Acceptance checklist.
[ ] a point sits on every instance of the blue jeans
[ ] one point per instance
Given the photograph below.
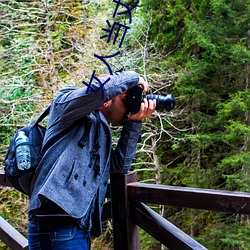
(57, 238)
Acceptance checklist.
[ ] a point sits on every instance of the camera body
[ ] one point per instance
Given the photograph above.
(135, 97)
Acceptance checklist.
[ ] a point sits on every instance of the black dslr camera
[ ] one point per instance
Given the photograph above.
(135, 98)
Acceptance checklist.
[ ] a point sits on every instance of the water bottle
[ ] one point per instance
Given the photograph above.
(23, 156)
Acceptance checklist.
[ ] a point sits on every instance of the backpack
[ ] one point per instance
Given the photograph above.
(21, 179)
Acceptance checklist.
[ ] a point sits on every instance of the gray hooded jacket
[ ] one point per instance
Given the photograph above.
(67, 174)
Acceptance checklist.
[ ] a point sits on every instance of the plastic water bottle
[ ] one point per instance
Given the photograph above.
(23, 156)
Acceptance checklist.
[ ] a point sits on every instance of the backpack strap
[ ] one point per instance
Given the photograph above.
(43, 115)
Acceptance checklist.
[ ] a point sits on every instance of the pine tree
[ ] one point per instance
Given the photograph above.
(206, 44)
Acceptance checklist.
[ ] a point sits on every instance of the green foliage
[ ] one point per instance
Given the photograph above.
(148, 242)
(222, 235)
(206, 44)
(14, 208)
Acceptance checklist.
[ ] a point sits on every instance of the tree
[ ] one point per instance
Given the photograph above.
(205, 43)
(44, 45)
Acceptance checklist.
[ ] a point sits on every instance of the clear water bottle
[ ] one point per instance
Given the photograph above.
(23, 156)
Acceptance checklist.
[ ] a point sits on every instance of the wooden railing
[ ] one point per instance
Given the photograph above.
(129, 212)
(8, 234)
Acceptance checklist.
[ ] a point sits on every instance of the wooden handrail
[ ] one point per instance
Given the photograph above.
(208, 199)
(134, 193)
(11, 237)
(161, 229)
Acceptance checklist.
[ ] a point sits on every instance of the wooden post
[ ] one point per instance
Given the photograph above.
(126, 233)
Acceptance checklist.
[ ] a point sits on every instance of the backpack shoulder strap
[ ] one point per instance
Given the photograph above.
(43, 115)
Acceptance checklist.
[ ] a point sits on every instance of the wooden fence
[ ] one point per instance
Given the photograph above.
(128, 199)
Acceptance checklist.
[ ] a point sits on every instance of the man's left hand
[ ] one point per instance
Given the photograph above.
(147, 108)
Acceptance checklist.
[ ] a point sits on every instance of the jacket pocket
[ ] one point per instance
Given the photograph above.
(72, 173)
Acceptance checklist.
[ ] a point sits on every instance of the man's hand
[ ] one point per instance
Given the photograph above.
(147, 108)
(144, 84)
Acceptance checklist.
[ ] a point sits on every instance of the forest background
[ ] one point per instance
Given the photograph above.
(197, 50)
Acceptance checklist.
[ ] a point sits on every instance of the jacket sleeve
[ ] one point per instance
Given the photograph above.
(71, 104)
(124, 153)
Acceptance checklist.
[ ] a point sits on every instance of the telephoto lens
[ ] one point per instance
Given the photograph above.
(162, 102)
